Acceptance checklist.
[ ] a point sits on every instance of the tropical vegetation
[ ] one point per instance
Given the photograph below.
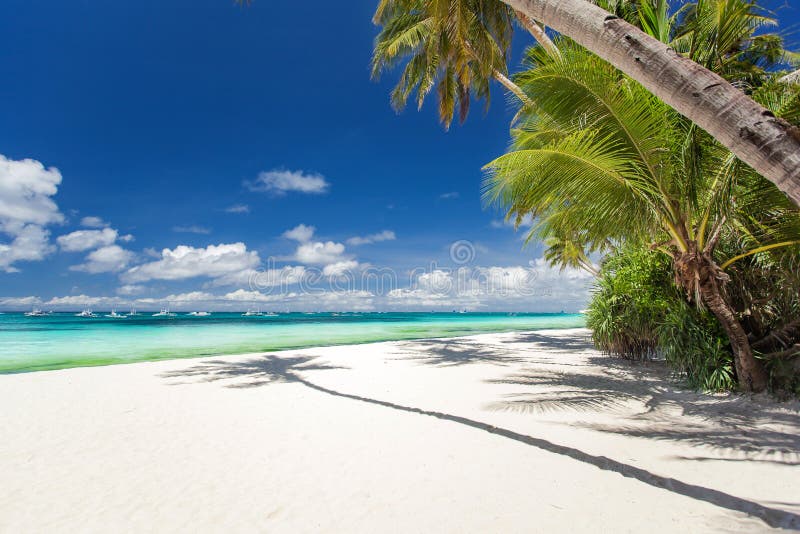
(439, 36)
(700, 250)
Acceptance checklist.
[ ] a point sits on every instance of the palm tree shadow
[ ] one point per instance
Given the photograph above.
(258, 372)
(555, 343)
(271, 369)
(456, 351)
(729, 424)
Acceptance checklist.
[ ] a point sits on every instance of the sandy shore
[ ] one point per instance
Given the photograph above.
(520, 432)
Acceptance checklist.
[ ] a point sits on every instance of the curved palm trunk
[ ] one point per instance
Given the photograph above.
(538, 33)
(768, 144)
(697, 272)
(511, 86)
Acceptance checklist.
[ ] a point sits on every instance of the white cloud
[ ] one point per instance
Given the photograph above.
(279, 182)
(183, 262)
(300, 233)
(192, 296)
(19, 302)
(386, 235)
(93, 222)
(268, 278)
(450, 196)
(534, 287)
(81, 240)
(238, 208)
(526, 222)
(339, 268)
(30, 243)
(110, 259)
(319, 252)
(130, 289)
(72, 301)
(26, 188)
(26, 206)
(191, 229)
(241, 295)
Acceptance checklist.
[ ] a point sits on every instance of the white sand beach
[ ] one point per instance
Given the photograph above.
(514, 432)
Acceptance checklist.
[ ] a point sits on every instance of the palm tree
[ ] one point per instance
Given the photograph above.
(768, 144)
(458, 59)
(458, 51)
(601, 154)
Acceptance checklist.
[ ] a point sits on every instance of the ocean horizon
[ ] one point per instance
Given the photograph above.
(63, 340)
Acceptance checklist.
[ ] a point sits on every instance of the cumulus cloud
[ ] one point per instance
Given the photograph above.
(93, 222)
(450, 196)
(536, 286)
(192, 296)
(82, 240)
(279, 182)
(73, 301)
(110, 259)
(339, 268)
(19, 302)
(238, 208)
(30, 243)
(386, 235)
(130, 289)
(191, 229)
(300, 233)
(532, 287)
(319, 253)
(268, 278)
(26, 191)
(26, 207)
(184, 262)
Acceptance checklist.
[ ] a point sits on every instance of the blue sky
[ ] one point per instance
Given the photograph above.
(161, 117)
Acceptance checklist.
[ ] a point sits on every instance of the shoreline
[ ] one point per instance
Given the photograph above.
(68, 343)
(473, 433)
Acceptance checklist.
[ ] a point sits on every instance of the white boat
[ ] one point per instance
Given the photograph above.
(252, 313)
(133, 313)
(85, 313)
(115, 315)
(164, 313)
(36, 312)
(200, 314)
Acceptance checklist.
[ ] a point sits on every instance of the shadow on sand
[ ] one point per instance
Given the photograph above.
(271, 369)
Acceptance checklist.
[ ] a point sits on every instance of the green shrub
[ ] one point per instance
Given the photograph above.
(694, 344)
(629, 301)
(638, 313)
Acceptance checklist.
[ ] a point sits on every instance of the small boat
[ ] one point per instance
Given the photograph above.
(115, 315)
(271, 314)
(86, 313)
(199, 314)
(253, 313)
(36, 312)
(133, 313)
(164, 313)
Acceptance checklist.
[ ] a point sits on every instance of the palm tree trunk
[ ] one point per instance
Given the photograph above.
(511, 86)
(750, 372)
(768, 144)
(697, 272)
(538, 33)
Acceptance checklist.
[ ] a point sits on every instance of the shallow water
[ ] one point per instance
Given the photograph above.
(62, 340)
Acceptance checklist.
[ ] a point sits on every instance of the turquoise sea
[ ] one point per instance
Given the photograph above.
(62, 340)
